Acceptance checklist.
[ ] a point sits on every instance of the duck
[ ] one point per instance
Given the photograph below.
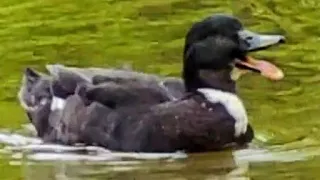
(209, 116)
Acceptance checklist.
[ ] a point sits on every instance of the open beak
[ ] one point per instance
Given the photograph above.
(255, 41)
(265, 68)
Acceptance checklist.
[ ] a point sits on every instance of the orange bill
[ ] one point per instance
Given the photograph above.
(265, 68)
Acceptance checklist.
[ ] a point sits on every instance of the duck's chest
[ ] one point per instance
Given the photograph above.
(232, 104)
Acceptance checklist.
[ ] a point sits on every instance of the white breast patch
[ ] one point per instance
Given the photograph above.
(233, 105)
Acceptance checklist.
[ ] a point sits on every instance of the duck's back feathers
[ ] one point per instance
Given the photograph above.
(71, 76)
(128, 94)
(89, 73)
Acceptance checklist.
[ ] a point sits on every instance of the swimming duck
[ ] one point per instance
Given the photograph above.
(210, 115)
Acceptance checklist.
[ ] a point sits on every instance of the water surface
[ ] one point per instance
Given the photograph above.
(148, 34)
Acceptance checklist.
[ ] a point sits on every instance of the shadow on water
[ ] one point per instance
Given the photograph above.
(149, 35)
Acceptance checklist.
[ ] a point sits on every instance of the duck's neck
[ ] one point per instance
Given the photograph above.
(220, 80)
(199, 73)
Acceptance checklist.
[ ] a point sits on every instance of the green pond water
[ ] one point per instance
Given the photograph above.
(149, 35)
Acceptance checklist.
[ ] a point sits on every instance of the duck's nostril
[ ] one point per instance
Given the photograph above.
(282, 40)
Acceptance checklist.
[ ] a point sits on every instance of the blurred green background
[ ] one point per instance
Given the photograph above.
(149, 35)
